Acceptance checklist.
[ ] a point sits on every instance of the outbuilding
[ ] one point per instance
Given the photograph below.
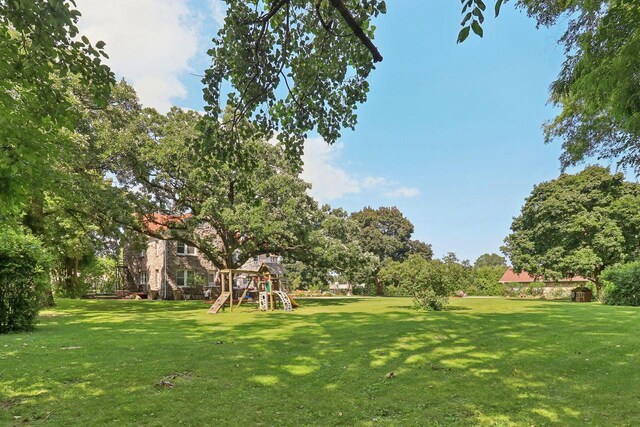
(536, 285)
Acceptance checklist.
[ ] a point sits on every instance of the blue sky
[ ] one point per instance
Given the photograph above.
(451, 134)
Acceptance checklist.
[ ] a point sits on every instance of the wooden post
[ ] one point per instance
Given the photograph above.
(271, 284)
(230, 290)
(221, 290)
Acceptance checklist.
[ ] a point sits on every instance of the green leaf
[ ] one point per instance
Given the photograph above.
(100, 44)
(463, 34)
(498, 6)
(477, 12)
(481, 4)
(477, 28)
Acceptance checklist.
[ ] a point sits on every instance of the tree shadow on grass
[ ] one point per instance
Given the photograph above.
(456, 308)
(409, 306)
(328, 302)
(521, 358)
(539, 365)
(128, 306)
(555, 300)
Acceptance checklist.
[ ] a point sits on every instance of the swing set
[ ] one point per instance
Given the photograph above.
(269, 288)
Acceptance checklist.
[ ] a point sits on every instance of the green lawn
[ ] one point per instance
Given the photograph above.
(331, 362)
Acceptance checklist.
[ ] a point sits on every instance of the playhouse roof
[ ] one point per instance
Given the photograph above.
(273, 268)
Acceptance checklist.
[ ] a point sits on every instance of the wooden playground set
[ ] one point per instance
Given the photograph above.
(265, 287)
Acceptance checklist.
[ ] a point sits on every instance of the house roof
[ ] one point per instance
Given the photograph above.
(511, 276)
(158, 221)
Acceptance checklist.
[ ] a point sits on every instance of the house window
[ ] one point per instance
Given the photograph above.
(185, 278)
(273, 259)
(183, 249)
(143, 278)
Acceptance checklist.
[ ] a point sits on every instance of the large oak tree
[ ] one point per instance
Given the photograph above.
(577, 225)
(386, 233)
(231, 207)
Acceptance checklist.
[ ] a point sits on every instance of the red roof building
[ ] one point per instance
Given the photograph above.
(511, 276)
(160, 222)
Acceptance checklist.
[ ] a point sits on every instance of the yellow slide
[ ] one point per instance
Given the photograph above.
(294, 304)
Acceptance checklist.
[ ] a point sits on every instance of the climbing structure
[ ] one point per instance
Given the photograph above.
(263, 299)
(268, 286)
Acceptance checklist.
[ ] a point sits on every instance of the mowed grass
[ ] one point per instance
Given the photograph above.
(331, 362)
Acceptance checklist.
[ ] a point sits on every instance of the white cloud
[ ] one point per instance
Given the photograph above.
(330, 181)
(374, 182)
(149, 42)
(219, 11)
(403, 192)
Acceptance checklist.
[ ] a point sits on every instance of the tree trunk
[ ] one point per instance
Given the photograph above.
(71, 276)
(598, 285)
(48, 299)
(379, 287)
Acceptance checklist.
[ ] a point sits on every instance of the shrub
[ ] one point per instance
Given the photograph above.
(622, 284)
(486, 281)
(509, 291)
(557, 293)
(396, 291)
(317, 286)
(430, 282)
(428, 298)
(434, 284)
(23, 280)
(367, 289)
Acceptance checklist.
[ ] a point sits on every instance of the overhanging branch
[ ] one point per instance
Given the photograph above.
(356, 28)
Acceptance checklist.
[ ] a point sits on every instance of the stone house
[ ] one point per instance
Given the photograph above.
(544, 288)
(167, 269)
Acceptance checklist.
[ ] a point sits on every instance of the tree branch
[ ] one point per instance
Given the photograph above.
(266, 17)
(325, 25)
(356, 28)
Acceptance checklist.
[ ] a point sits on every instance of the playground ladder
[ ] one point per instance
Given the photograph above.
(219, 303)
(286, 302)
(264, 301)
